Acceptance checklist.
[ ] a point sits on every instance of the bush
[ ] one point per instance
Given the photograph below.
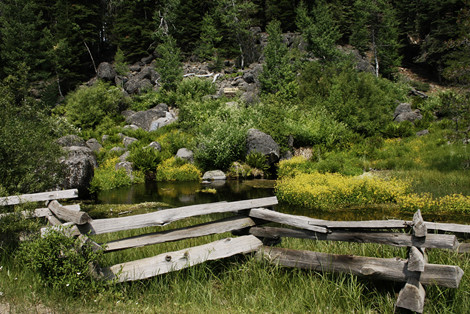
(86, 107)
(195, 87)
(145, 159)
(61, 262)
(176, 169)
(401, 129)
(107, 177)
(323, 191)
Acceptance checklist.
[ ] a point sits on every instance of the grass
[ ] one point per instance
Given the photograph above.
(234, 285)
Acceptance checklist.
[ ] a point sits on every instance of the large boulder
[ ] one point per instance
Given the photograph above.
(403, 112)
(79, 165)
(161, 122)
(136, 85)
(143, 119)
(106, 71)
(214, 175)
(71, 140)
(185, 154)
(257, 141)
(128, 141)
(94, 145)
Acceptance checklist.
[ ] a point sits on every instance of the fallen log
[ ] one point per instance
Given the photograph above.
(392, 269)
(220, 226)
(437, 241)
(68, 215)
(164, 217)
(173, 261)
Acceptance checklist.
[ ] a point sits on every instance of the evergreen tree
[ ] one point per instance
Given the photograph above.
(283, 11)
(375, 28)
(168, 64)
(209, 40)
(319, 30)
(277, 70)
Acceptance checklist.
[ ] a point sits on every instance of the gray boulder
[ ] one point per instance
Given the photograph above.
(402, 108)
(134, 67)
(124, 156)
(71, 140)
(117, 149)
(93, 144)
(422, 133)
(185, 154)
(257, 141)
(136, 85)
(79, 167)
(106, 71)
(156, 146)
(131, 127)
(126, 165)
(128, 141)
(214, 175)
(143, 119)
(403, 112)
(161, 122)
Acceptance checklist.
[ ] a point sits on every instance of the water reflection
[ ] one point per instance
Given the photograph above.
(188, 193)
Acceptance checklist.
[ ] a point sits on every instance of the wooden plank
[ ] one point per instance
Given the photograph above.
(220, 226)
(286, 219)
(411, 297)
(419, 227)
(65, 214)
(173, 261)
(416, 260)
(163, 217)
(392, 269)
(38, 197)
(437, 241)
(464, 248)
(447, 227)
(42, 212)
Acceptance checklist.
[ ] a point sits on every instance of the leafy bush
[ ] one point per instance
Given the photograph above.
(86, 107)
(402, 129)
(195, 87)
(61, 262)
(145, 159)
(176, 169)
(257, 160)
(119, 63)
(107, 177)
(174, 140)
(14, 224)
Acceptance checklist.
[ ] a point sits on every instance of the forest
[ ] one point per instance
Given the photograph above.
(365, 105)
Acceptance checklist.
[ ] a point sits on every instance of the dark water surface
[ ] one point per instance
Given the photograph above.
(178, 194)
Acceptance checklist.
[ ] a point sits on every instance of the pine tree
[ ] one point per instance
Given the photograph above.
(168, 65)
(319, 30)
(375, 28)
(277, 70)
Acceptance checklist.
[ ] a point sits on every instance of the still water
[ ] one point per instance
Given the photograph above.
(177, 194)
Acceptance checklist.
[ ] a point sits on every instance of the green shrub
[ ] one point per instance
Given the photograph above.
(61, 262)
(86, 107)
(421, 86)
(107, 177)
(176, 169)
(401, 129)
(295, 165)
(168, 65)
(174, 140)
(145, 101)
(119, 62)
(195, 87)
(145, 159)
(257, 160)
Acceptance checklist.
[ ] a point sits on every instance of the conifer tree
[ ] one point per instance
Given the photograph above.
(168, 64)
(277, 70)
(375, 28)
(319, 30)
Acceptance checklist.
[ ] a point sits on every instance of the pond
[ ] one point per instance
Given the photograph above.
(177, 194)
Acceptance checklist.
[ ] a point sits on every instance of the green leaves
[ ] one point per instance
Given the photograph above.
(169, 65)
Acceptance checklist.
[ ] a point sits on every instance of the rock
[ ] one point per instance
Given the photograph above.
(117, 149)
(147, 60)
(287, 155)
(78, 167)
(156, 146)
(126, 165)
(124, 156)
(143, 119)
(161, 122)
(409, 116)
(104, 138)
(161, 107)
(422, 133)
(93, 144)
(71, 140)
(128, 141)
(135, 85)
(128, 113)
(185, 154)
(134, 67)
(402, 108)
(249, 77)
(131, 127)
(257, 141)
(214, 175)
(106, 71)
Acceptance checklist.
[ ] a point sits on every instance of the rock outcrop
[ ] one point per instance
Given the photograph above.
(257, 141)
(79, 165)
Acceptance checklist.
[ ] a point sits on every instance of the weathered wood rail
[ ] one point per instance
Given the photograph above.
(250, 220)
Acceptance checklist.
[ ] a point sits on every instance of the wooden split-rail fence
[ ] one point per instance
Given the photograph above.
(249, 221)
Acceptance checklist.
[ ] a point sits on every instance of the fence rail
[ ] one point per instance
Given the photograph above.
(250, 222)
